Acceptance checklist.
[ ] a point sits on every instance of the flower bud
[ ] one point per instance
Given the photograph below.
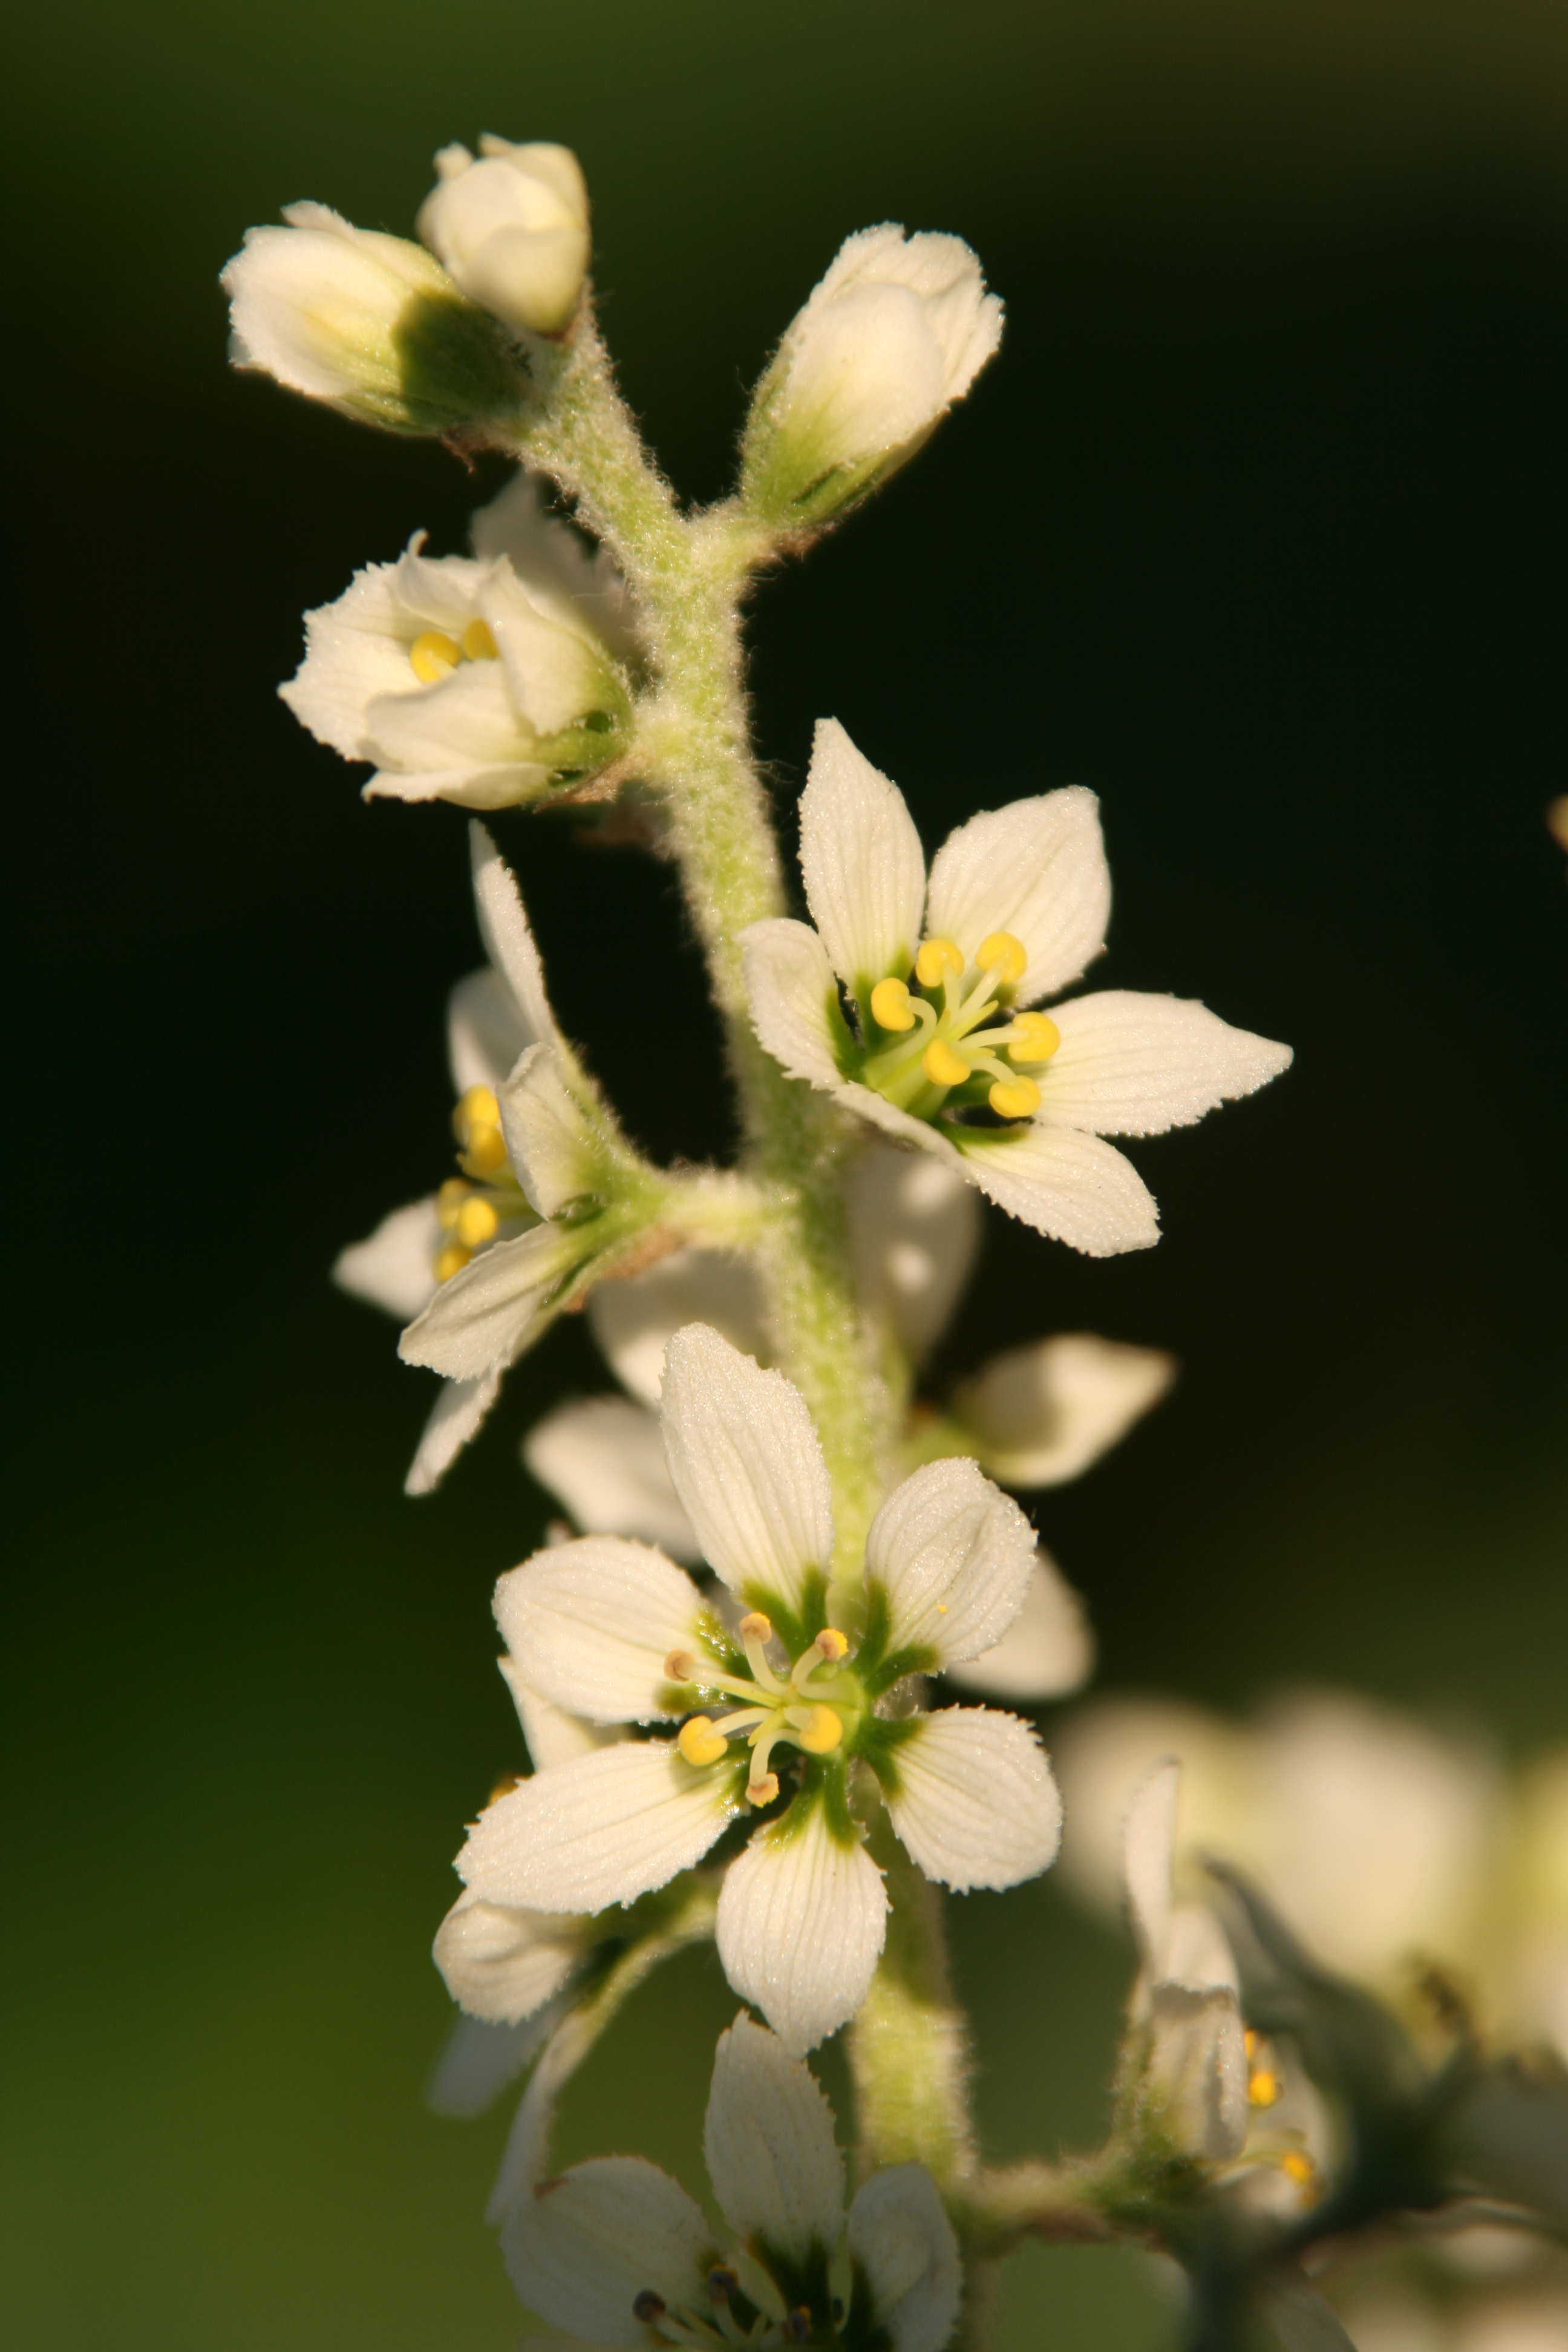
(512, 229)
(895, 333)
(366, 322)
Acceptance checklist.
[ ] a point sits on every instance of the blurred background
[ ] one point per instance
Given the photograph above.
(1257, 527)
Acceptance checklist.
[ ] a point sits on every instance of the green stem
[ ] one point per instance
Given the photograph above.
(909, 2044)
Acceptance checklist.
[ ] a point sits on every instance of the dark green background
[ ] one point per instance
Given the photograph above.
(1257, 527)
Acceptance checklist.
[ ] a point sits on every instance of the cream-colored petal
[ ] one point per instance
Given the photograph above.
(914, 1229)
(1036, 868)
(1197, 2068)
(747, 1468)
(393, 1267)
(1197, 1951)
(604, 1830)
(552, 559)
(1048, 1649)
(975, 1802)
(553, 1734)
(455, 1418)
(1040, 1415)
(1071, 1187)
(589, 1625)
(634, 1321)
(771, 2155)
(468, 719)
(603, 1460)
(1135, 1064)
(509, 942)
(554, 671)
(864, 866)
(485, 788)
(581, 2247)
(902, 2242)
(481, 2059)
(1148, 1855)
(494, 1308)
(954, 1556)
(485, 1032)
(1107, 1749)
(793, 998)
(501, 1963)
(801, 1924)
(549, 1141)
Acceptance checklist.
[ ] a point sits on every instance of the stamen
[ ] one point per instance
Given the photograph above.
(829, 1647)
(448, 1200)
(1297, 2166)
(754, 1626)
(1014, 1098)
(890, 1005)
(701, 1742)
(478, 642)
(475, 1107)
(648, 2306)
(1034, 1037)
(680, 1666)
(754, 1630)
(1005, 955)
(762, 1792)
(941, 1065)
(450, 1261)
(478, 1222)
(819, 1733)
(797, 2327)
(762, 1786)
(722, 2282)
(433, 655)
(938, 959)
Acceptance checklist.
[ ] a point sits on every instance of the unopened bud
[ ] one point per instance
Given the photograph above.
(511, 226)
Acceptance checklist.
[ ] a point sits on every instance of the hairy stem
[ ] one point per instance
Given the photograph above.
(909, 2043)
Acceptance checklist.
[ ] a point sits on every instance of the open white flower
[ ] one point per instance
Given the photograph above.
(1187, 1997)
(483, 680)
(940, 978)
(897, 330)
(616, 2254)
(512, 229)
(613, 1632)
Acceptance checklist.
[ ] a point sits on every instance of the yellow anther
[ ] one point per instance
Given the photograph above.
(478, 642)
(763, 1792)
(1297, 2166)
(477, 1222)
(1014, 1097)
(890, 1005)
(941, 1065)
(475, 1107)
(1263, 2089)
(698, 1742)
(1004, 955)
(485, 1150)
(820, 1733)
(833, 1644)
(448, 1200)
(680, 1666)
(433, 655)
(450, 1261)
(755, 1627)
(1034, 1037)
(938, 959)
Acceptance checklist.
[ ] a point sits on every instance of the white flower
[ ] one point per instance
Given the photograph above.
(366, 322)
(1015, 907)
(613, 1632)
(1186, 1999)
(616, 2254)
(512, 229)
(481, 680)
(897, 330)
(1040, 1415)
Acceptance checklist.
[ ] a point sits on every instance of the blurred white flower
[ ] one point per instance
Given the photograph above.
(1186, 2000)
(1042, 1413)
(512, 229)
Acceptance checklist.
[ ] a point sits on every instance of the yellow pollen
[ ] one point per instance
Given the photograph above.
(833, 1644)
(699, 1743)
(820, 1733)
(448, 1200)
(941, 1065)
(1004, 955)
(1263, 2089)
(890, 1005)
(1014, 1097)
(475, 1107)
(477, 1222)
(938, 959)
(1034, 1037)
(433, 655)
(763, 1792)
(450, 1261)
(478, 642)
(756, 1628)
(1298, 2167)
(680, 1666)
(485, 1150)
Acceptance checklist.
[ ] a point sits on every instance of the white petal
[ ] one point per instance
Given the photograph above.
(975, 1803)
(468, 719)
(502, 1964)
(1041, 1413)
(604, 1830)
(591, 1623)
(554, 670)
(582, 2247)
(481, 2059)
(793, 998)
(864, 869)
(471, 787)
(485, 1032)
(1134, 1064)
(549, 1141)
(553, 559)
(634, 1321)
(914, 1230)
(747, 1466)
(603, 1460)
(1036, 868)
(1197, 2065)
(771, 2157)
(1072, 1187)
(1304, 2320)
(1197, 1951)
(509, 942)
(455, 1418)
(800, 1928)
(954, 1556)
(900, 2237)
(554, 1737)
(1048, 1649)
(496, 1306)
(395, 1267)
(1148, 1853)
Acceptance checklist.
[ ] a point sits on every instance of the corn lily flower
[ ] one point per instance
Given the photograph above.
(511, 226)
(1185, 2003)
(940, 978)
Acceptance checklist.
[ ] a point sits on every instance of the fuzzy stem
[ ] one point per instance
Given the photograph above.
(909, 2044)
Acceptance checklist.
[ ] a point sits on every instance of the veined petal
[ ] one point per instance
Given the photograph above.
(902, 2242)
(975, 1804)
(467, 720)
(487, 1313)
(914, 1230)
(1197, 1951)
(603, 1460)
(634, 1321)
(800, 1928)
(485, 1032)
(1072, 1187)
(471, 787)
(395, 1267)
(589, 1625)
(581, 2247)
(1041, 1413)
(481, 2059)
(1048, 1649)
(553, 1735)
(1198, 2065)
(771, 2157)
(509, 942)
(793, 998)
(864, 868)
(1148, 1853)
(548, 1141)
(747, 1468)
(555, 562)
(604, 1830)
(1036, 868)
(1135, 1064)
(954, 1556)
(553, 669)
(502, 1963)
(455, 1418)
